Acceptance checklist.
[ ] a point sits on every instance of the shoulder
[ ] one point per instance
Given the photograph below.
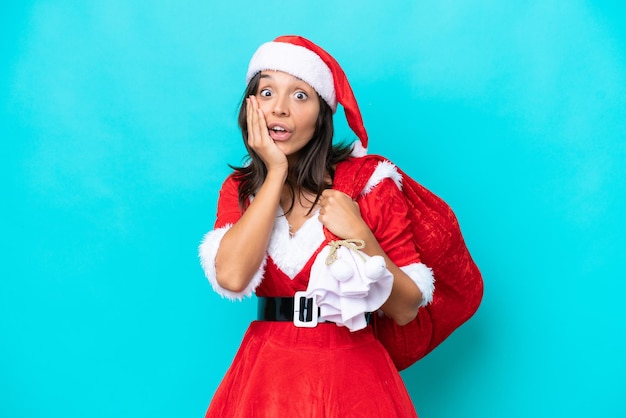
(228, 208)
(231, 183)
(231, 180)
(229, 191)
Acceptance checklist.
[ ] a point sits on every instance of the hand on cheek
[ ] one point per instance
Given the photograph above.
(259, 138)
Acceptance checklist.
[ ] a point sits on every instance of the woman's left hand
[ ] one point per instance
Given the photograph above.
(341, 215)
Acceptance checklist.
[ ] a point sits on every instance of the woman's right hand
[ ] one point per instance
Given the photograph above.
(259, 138)
(242, 249)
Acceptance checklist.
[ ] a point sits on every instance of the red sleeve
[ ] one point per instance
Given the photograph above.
(228, 211)
(385, 211)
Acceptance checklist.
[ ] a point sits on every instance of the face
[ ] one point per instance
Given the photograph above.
(291, 107)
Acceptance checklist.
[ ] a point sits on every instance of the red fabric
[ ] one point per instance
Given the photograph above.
(321, 372)
(280, 285)
(437, 236)
(228, 204)
(327, 371)
(425, 219)
(386, 212)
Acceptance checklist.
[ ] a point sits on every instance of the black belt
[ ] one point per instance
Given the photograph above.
(282, 309)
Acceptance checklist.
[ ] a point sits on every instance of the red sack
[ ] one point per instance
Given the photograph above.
(438, 239)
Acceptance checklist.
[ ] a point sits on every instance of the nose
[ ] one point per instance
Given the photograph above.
(280, 107)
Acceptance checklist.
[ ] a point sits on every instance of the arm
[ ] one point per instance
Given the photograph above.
(342, 216)
(431, 226)
(406, 297)
(242, 249)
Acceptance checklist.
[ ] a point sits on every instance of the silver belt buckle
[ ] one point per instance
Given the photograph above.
(305, 311)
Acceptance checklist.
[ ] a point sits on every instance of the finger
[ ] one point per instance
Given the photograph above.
(326, 196)
(255, 119)
(262, 123)
(261, 135)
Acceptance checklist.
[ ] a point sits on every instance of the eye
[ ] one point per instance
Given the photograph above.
(265, 93)
(300, 95)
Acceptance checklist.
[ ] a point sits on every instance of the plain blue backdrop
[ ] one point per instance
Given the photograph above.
(118, 120)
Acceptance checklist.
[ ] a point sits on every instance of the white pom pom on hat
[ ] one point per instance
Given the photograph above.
(302, 58)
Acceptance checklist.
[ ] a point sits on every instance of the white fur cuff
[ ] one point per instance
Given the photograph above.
(207, 251)
(423, 278)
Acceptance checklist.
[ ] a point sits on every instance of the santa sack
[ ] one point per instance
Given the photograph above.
(438, 239)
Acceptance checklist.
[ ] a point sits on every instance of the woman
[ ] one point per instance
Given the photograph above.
(320, 261)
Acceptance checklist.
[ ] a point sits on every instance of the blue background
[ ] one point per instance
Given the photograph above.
(118, 119)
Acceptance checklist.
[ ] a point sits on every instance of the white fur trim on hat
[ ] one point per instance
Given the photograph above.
(423, 277)
(297, 61)
(358, 150)
(207, 253)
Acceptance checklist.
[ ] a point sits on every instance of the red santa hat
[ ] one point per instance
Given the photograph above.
(302, 58)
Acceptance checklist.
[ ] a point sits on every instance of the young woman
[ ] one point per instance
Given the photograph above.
(323, 263)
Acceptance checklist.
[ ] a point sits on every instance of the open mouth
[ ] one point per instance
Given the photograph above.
(278, 133)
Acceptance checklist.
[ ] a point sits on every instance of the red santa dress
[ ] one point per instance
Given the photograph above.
(329, 370)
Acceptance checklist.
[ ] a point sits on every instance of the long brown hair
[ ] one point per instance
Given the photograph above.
(317, 158)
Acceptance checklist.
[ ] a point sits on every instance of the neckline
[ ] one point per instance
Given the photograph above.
(291, 252)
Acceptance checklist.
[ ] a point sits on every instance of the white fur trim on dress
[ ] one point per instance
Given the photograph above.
(297, 61)
(423, 278)
(207, 251)
(383, 170)
(291, 253)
